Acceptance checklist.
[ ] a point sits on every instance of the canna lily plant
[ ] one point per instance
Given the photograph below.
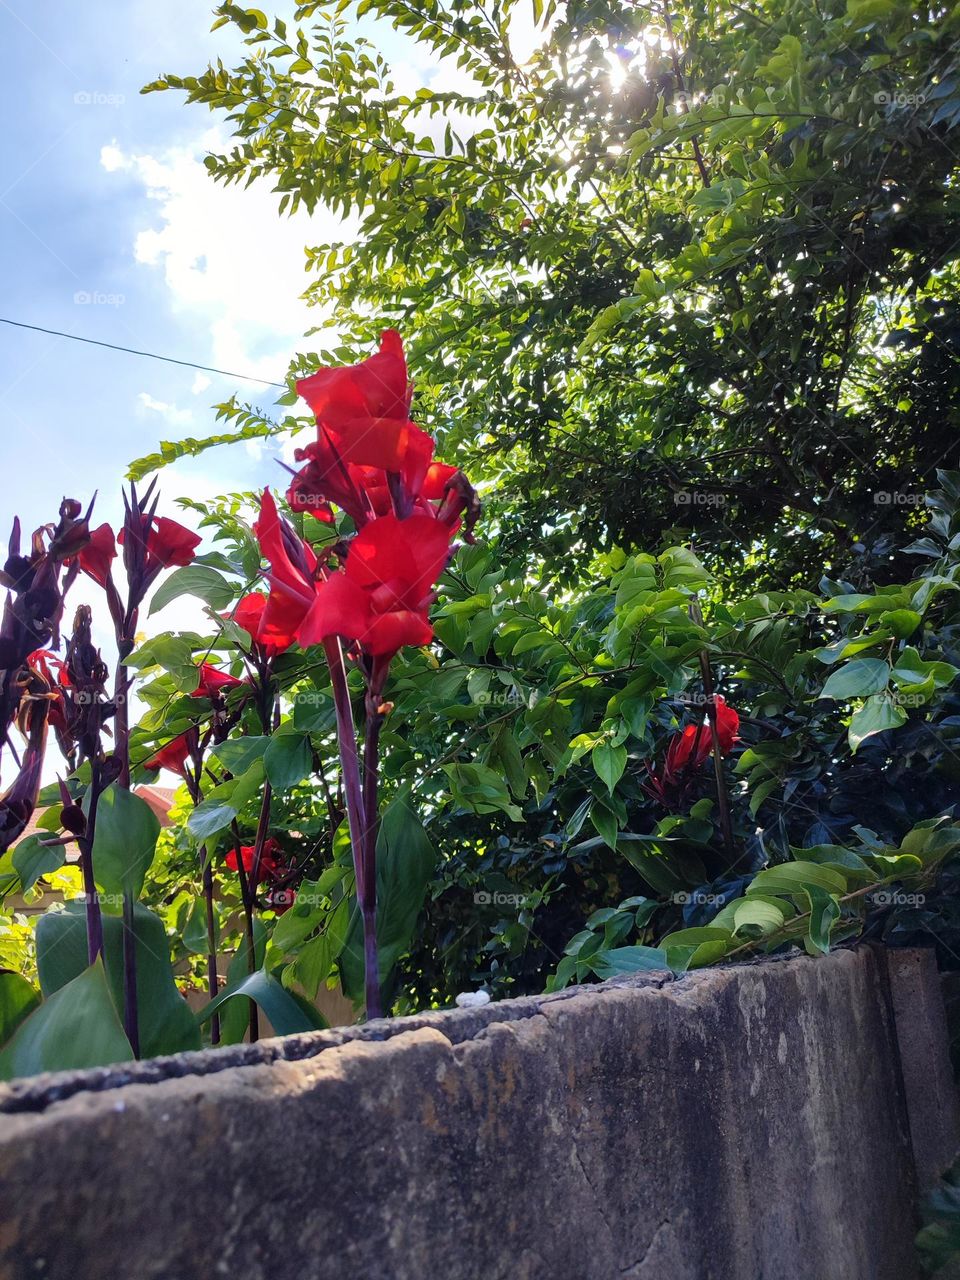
(367, 595)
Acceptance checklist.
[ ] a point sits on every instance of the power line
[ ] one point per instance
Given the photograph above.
(150, 355)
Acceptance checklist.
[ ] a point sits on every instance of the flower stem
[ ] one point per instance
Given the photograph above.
(94, 918)
(368, 898)
(121, 696)
(357, 821)
(213, 978)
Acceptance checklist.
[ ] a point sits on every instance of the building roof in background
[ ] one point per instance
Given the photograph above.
(160, 800)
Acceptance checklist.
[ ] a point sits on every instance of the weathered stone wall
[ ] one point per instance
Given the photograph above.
(763, 1122)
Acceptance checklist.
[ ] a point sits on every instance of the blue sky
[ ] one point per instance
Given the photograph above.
(111, 229)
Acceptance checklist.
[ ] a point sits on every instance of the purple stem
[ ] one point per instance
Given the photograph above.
(368, 898)
(94, 918)
(121, 696)
(358, 818)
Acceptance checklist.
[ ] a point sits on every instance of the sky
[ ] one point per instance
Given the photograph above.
(111, 229)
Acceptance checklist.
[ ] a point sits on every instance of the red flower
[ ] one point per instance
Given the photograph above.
(249, 614)
(435, 481)
(270, 864)
(381, 597)
(363, 416)
(375, 388)
(292, 569)
(689, 749)
(212, 682)
(728, 726)
(168, 543)
(174, 755)
(96, 557)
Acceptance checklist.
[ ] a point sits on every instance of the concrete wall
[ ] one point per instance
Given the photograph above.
(763, 1122)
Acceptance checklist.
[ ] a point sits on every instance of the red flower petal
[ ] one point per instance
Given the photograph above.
(96, 557)
(212, 681)
(375, 388)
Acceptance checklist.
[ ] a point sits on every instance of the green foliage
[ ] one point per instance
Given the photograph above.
(701, 280)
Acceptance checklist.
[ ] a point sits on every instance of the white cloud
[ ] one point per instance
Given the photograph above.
(226, 256)
(169, 412)
(200, 383)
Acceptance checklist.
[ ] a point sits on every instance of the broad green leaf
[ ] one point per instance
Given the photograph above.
(621, 960)
(857, 679)
(406, 860)
(197, 580)
(17, 999)
(165, 1021)
(609, 762)
(794, 877)
(75, 1027)
(286, 1014)
(33, 859)
(125, 841)
(875, 716)
(692, 948)
(288, 759)
(824, 910)
(238, 754)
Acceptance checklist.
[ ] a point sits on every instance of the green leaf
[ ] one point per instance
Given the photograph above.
(857, 679)
(824, 910)
(17, 999)
(238, 754)
(194, 580)
(609, 762)
(875, 716)
(406, 860)
(691, 948)
(125, 841)
(286, 1014)
(620, 960)
(32, 859)
(794, 878)
(288, 759)
(224, 803)
(165, 1021)
(76, 1027)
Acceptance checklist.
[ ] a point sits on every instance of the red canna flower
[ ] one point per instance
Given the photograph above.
(174, 755)
(212, 682)
(381, 597)
(99, 553)
(363, 414)
(168, 543)
(249, 614)
(270, 863)
(293, 566)
(376, 388)
(728, 725)
(690, 748)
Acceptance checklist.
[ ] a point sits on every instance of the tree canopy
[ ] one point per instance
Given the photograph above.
(683, 271)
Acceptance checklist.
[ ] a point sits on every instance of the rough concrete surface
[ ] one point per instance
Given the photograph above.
(746, 1123)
